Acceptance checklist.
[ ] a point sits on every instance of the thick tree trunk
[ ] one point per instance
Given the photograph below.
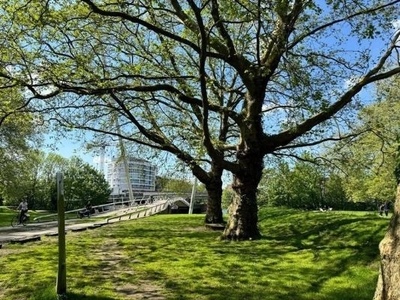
(243, 212)
(214, 207)
(213, 184)
(388, 287)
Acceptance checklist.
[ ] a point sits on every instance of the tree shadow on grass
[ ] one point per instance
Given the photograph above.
(49, 293)
(344, 243)
(74, 296)
(284, 264)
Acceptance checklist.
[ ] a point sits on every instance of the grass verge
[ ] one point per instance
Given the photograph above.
(302, 256)
(6, 214)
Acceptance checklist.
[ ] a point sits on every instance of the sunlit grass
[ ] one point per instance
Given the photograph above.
(302, 256)
(6, 214)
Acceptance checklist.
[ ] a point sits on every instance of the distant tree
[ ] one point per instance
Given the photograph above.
(83, 183)
(297, 186)
(368, 160)
(32, 183)
(307, 186)
(175, 185)
(304, 185)
(274, 188)
(227, 197)
(334, 194)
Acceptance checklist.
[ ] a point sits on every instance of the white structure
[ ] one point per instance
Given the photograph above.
(142, 175)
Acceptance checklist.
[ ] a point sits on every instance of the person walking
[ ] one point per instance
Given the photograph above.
(89, 208)
(386, 208)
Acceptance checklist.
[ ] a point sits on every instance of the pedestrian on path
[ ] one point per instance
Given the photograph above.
(386, 208)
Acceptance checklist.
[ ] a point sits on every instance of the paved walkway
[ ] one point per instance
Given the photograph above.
(34, 231)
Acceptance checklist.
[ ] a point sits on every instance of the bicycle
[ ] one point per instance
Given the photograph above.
(15, 220)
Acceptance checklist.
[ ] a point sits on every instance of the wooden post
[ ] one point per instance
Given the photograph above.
(62, 269)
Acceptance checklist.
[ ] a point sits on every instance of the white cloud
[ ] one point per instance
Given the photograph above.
(396, 24)
(350, 82)
(35, 78)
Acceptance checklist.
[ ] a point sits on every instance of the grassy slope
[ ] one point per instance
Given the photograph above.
(303, 255)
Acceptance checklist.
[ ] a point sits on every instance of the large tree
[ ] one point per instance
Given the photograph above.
(241, 78)
(388, 281)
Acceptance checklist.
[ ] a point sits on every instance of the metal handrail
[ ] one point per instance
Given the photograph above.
(53, 217)
(136, 203)
(157, 208)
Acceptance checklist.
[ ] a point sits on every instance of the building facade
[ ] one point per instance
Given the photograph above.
(142, 176)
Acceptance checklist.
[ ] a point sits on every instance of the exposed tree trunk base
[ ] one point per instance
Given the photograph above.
(239, 236)
(233, 232)
(242, 224)
(214, 219)
(388, 286)
(216, 226)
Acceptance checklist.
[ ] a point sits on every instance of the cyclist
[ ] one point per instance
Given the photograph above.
(87, 211)
(23, 208)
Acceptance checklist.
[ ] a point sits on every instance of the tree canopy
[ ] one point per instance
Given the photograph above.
(18, 135)
(368, 159)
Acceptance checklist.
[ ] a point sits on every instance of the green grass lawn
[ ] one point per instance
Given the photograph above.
(7, 214)
(302, 256)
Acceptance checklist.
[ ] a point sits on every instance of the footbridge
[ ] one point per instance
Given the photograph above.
(128, 209)
(104, 214)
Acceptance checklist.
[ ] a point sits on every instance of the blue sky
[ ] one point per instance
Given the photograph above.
(68, 147)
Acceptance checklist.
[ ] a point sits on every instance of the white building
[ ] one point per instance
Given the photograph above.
(142, 176)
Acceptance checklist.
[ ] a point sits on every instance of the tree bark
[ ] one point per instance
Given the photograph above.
(213, 184)
(243, 212)
(214, 207)
(388, 286)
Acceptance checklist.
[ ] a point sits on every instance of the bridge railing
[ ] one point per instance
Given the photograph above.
(149, 209)
(99, 209)
(142, 211)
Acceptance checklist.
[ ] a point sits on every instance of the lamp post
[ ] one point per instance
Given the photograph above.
(193, 196)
